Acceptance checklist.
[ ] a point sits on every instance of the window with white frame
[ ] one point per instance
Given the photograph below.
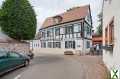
(43, 44)
(50, 44)
(70, 44)
(57, 31)
(57, 45)
(49, 32)
(43, 34)
(77, 27)
(87, 29)
(87, 44)
(69, 29)
(62, 30)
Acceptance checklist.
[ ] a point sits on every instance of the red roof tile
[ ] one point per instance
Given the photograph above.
(70, 15)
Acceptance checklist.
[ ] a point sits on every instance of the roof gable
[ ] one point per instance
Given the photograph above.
(70, 15)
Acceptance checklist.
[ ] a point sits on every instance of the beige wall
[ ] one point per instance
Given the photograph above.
(54, 51)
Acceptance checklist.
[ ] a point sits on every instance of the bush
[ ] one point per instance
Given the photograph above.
(18, 19)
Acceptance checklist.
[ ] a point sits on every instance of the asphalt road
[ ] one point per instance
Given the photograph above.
(51, 67)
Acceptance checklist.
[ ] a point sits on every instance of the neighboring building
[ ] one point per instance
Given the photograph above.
(111, 33)
(70, 30)
(97, 44)
(97, 39)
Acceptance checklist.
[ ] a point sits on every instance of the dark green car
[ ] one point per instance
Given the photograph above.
(12, 60)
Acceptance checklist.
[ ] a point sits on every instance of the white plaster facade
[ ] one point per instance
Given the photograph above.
(112, 9)
(74, 35)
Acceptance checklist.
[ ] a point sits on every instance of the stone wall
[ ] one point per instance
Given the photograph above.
(19, 47)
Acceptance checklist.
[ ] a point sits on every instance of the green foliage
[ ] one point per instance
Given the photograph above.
(18, 19)
(99, 28)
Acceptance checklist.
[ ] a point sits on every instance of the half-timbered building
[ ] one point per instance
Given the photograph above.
(69, 30)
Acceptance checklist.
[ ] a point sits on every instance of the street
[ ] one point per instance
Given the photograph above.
(59, 67)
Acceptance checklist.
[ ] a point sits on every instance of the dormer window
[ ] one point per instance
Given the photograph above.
(57, 19)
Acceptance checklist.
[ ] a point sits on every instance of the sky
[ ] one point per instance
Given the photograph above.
(47, 8)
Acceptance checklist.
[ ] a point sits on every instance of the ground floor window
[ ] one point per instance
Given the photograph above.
(50, 44)
(70, 44)
(88, 44)
(57, 44)
(43, 44)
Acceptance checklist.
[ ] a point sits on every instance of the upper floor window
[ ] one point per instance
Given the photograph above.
(88, 19)
(43, 34)
(57, 19)
(57, 31)
(88, 29)
(69, 29)
(77, 27)
(49, 32)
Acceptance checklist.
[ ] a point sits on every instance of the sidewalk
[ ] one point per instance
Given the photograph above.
(94, 67)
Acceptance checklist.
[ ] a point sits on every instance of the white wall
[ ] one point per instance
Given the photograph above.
(35, 44)
(111, 59)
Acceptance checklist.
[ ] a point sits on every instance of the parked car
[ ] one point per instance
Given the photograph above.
(11, 60)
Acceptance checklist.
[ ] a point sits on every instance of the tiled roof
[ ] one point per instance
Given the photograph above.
(70, 15)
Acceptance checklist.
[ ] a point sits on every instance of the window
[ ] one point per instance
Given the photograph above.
(109, 33)
(57, 45)
(50, 44)
(111, 28)
(49, 32)
(57, 31)
(62, 30)
(77, 27)
(88, 44)
(88, 29)
(68, 29)
(43, 34)
(43, 44)
(70, 44)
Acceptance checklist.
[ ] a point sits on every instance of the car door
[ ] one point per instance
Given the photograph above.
(15, 59)
(5, 64)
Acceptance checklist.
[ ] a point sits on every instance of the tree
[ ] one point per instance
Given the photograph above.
(18, 19)
(99, 28)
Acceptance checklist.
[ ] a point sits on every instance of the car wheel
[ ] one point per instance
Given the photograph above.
(26, 63)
